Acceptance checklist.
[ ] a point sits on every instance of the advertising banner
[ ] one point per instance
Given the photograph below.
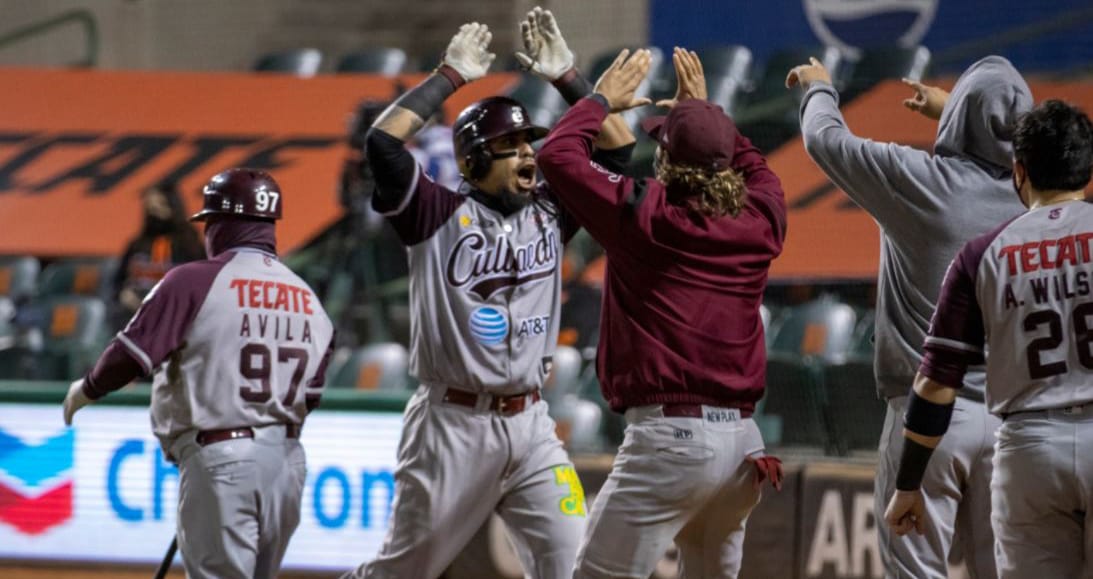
(78, 147)
(102, 490)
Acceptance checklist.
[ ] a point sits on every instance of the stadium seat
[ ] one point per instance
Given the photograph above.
(78, 276)
(68, 335)
(565, 374)
(7, 326)
(823, 328)
(795, 395)
(856, 413)
(727, 70)
(303, 62)
(382, 367)
(18, 276)
(877, 64)
(382, 61)
(767, 114)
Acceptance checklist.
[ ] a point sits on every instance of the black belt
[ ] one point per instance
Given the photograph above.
(503, 405)
(207, 437)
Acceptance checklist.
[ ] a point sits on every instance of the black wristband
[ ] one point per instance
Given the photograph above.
(912, 465)
(573, 86)
(602, 100)
(927, 418)
(427, 97)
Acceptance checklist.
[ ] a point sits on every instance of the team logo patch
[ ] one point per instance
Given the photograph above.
(489, 325)
(573, 504)
(36, 482)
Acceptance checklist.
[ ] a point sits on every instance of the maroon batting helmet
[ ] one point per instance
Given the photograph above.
(485, 120)
(241, 193)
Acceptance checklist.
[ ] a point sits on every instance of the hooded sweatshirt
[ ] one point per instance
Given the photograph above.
(927, 206)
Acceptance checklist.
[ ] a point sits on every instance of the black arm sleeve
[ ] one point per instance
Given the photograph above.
(392, 166)
(614, 160)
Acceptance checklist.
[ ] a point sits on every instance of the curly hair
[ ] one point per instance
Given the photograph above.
(719, 193)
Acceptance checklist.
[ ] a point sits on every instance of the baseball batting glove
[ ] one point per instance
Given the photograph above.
(468, 52)
(75, 400)
(767, 467)
(547, 53)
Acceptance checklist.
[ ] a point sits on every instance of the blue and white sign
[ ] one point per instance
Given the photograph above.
(103, 491)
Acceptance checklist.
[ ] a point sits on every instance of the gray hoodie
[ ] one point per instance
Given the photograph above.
(927, 206)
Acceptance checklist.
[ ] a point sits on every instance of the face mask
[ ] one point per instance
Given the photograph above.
(1017, 187)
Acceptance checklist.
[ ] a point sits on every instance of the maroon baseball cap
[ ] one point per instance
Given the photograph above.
(695, 133)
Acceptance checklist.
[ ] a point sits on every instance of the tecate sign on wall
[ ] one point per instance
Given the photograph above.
(103, 491)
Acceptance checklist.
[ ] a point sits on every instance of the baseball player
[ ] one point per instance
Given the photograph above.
(1019, 296)
(927, 205)
(681, 348)
(238, 345)
(485, 295)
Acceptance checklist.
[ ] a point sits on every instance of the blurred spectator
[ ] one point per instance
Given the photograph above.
(166, 239)
(432, 148)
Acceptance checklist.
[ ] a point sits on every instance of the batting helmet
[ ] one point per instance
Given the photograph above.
(483, 121)
(241, 192)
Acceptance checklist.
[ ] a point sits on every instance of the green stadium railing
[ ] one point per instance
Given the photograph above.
(32, 392)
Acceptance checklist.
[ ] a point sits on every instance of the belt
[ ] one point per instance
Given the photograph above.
(503, 405)
(207, 437)
(694, 410)
(1074, 410)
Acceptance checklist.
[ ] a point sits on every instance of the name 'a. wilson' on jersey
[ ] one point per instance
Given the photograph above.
(1023, 295)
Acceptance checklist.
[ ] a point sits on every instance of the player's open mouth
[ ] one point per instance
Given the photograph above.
(525, 177)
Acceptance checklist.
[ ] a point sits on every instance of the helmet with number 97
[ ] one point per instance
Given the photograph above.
(242, 193)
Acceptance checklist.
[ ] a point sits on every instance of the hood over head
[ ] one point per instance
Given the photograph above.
(981, 114)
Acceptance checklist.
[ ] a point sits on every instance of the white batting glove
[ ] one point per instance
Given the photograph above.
(547, 53)
(75, 400)
(468, 52)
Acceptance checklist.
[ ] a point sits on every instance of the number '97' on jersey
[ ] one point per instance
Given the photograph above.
(238, 340)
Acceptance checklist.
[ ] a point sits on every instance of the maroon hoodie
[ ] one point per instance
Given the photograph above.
(680, 321)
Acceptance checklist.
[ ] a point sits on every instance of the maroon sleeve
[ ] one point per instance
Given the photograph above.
(313, 392)
(957, 335)
(115, 368)
(764, 187)
(424, 210)
(163, 320)
(595, 196)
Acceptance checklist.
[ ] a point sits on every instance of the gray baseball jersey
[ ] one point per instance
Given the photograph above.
(1023, 293)
(486, 289)
(243, 338)
(485, 295)
(1020, 296)
(238, 341)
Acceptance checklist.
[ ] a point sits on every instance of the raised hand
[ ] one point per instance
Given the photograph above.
(621, 80)
(546, 52)
(690, 79)
(928, 100)
(468, 52)
(807, 74)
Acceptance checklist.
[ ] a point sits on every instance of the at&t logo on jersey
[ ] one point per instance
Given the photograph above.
(489, 326)
(533, 326)
(35, 482)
